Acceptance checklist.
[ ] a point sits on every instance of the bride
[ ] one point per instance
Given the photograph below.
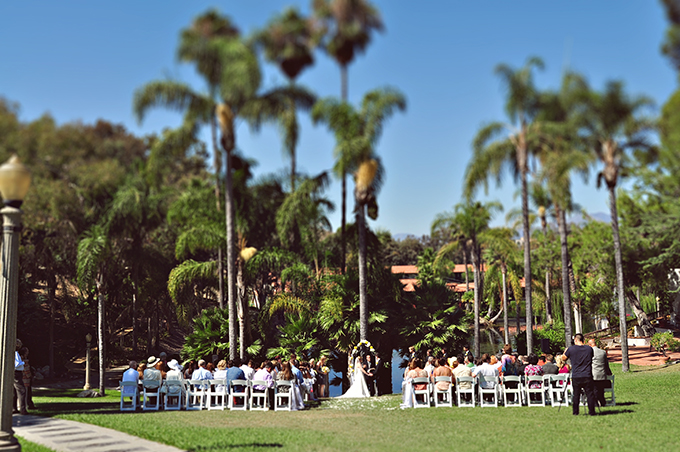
(358, 388)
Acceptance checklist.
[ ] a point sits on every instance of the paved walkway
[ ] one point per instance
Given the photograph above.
(68, 436)
(641, 356)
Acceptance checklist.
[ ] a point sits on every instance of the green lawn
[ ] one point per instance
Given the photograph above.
(645, 418)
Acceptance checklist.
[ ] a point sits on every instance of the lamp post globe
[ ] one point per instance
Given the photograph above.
(15, 179)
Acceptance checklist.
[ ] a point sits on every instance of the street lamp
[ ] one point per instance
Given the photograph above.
(14, 182)
(88, 339)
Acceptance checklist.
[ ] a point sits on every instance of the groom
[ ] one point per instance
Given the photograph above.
(370, 378)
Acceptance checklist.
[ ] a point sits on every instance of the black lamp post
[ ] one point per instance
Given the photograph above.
(15, 179)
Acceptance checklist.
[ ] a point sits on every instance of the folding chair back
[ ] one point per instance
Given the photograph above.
(446, 395)
(512, 390)
(282, 395)
(609, 396)
(173, 395)
(196, 391)
(238, 400)
(151, 395)
(537, 391)
(421, 396)
(488, 396)
(558, 386)
(259, 401)
(129, 389)
(466, 396)
(216, 397)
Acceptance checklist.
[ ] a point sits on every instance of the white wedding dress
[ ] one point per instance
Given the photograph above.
(358, 389)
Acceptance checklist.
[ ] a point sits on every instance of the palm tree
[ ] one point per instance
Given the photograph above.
(357, 133)
(347, 26)
(492, 154)
(472, 220)
(613, 124)
(94, 252)
(288, 41)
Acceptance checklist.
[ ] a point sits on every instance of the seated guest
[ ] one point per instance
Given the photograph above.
(140, 370)
(234, 372)
(495, 362)
(248, 370)
(429, 367)
(418, 372)
(487, 371)
(265, 374)
(201, 373)
(210, 367)
(520, 363)
(189, 370)
(221, 374)
(131, 375)
(442, 371)
(175, 373)
(562, 365)
(533, 369)
(549, 368)
(152, 371)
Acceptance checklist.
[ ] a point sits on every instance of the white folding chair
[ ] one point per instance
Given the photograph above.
(609, 396)
(538, 391)
(558, 386)
(151, 395)
(259, 401)
(238, 400)
(512, 391)
(446, 398)
(488, 396)
(461, 392)
(129, 389)
(283, 394)
(196, 391)
(421, 396)
(216, 396)
(173, 394)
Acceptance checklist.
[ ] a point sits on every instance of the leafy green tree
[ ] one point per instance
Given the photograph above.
(492, 154)
(346, 27)
(614, 124)
(357, 133)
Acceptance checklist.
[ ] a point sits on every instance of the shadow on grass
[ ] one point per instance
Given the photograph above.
(626, 403)
(610, 412)
(238, 446)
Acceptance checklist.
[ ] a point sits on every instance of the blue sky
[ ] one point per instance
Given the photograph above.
(80, 61)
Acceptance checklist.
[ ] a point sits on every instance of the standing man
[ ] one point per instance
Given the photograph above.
(600, 371)
(378, 374)
(370, 375)
(19, 388)
(581, 357)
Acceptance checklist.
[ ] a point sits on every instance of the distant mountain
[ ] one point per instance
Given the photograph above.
(579, 218)
(402, 235)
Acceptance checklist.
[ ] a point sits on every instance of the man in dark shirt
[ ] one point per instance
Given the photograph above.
(549, 368)
(581, 357)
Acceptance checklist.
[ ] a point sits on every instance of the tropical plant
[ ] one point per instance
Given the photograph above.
(346, 27)
(493, 153)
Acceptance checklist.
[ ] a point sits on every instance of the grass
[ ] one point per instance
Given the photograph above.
(645, 418)
(27, 446)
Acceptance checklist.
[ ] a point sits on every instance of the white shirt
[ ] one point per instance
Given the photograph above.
(248, 371)
(18, 362)
(487, 370)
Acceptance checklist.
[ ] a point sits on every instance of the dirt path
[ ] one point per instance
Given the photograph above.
(640, 356)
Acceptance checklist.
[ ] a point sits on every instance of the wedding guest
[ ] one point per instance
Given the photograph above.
(27, 379)
(549, 368)
(461, 370)
(201, 373)
(487, 371)
(418, 372)
(562, 365)
(152, 372)
(265, 374)
(533, 370)
(234, 372)
(131, 374)
(323, 383)
(429, 367)
(442, 371)
(467, 354)
(378, 374)
(175, 373)
(140, 370)
(19, 388)
(221, 372)
(248, 370)
(189, 370)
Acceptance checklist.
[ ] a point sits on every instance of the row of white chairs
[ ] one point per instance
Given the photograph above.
(204, 394)
(553, 390)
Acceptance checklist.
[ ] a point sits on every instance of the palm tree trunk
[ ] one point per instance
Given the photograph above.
(548, 304)
(101, 307)
(343, 221)
(506, 333)
(527, 255)
(562, 226)
(51, 294)
(241, 311)
(135, 300)
(467, 277)
(231, 292)
(620, 289)
(217, 163)
(475, 265)
(363, 308)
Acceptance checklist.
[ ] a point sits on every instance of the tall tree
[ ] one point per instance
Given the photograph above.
(472, 220)
(357, 133)
(614, 125)
(288, 41)
(492, 153)
(346, 26)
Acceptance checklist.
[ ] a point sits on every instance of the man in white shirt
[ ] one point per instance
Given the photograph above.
(487, 371)
(248, 370)
(131, 375)
(201, 373)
